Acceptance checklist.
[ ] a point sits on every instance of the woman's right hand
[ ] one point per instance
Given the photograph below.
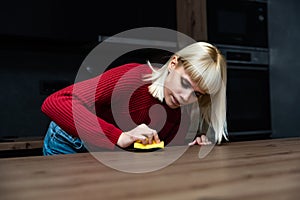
(140, 133)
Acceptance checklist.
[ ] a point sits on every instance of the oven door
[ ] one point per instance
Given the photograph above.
(248, 101)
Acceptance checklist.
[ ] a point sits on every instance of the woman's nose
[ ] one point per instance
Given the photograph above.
(186, 96)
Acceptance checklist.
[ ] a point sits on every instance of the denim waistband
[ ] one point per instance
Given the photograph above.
(57, 128)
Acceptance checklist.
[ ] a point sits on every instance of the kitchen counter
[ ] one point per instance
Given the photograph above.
(262, 169)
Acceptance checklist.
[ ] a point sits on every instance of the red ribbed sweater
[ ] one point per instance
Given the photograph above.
(101, 108)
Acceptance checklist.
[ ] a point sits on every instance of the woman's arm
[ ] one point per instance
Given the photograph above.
(73, 109)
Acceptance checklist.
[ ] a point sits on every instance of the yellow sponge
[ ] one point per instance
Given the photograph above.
(154, 145)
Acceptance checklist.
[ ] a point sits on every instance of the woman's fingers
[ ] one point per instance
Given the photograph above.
(199, 140)
(145, 134)
(203, 140)
(156, 138)
(152, 137)
(192, 143)
(144, 140)
(150, 134)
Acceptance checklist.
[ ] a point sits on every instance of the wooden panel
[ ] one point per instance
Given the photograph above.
(23, 143)
(265, 169)
(191, 18)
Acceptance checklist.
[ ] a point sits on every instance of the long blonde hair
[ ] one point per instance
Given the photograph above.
(206, 66)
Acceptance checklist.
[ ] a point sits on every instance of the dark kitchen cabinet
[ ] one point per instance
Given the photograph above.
(82, 20)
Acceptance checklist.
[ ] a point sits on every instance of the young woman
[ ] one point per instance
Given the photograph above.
(140, 102)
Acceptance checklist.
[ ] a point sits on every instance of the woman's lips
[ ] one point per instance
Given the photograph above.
(174, 101)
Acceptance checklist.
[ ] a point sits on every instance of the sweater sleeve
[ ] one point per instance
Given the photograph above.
(73, 108)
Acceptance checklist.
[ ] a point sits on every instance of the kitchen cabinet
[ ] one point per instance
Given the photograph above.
(191, 18)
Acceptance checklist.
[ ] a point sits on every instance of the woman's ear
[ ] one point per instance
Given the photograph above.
(173, 64)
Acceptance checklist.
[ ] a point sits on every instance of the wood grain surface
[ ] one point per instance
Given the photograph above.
(192, 19)
(263, 169)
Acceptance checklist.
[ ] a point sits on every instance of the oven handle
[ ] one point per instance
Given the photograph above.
(248, 68)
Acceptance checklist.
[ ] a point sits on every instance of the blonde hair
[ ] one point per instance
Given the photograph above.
(206, 66)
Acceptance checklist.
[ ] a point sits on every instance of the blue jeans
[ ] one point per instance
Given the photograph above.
(57, 141)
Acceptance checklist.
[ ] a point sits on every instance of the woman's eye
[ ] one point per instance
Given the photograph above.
(185, 83)
(198, 94)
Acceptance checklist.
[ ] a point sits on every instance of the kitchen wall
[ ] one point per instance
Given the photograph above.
(284, 39)
(43, 44)
(26, 78)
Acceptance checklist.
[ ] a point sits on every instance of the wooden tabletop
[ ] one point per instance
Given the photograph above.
(263, 169)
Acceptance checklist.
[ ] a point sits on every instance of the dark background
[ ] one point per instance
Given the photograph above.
(43, 44)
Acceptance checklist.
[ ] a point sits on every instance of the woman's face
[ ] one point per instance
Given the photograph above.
(179, 89)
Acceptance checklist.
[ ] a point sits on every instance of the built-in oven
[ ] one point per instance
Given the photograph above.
(248, 94)
(238, 22)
